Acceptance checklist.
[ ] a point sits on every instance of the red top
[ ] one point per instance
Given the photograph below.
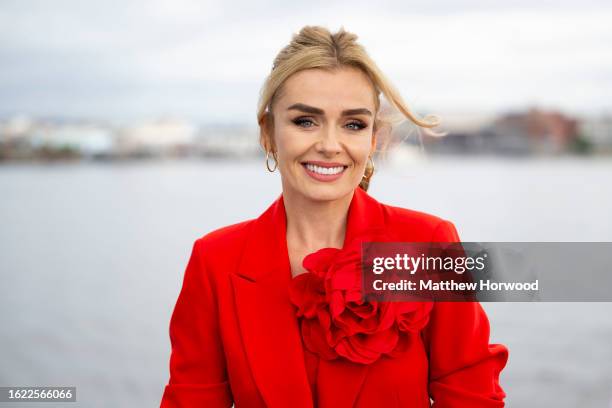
(311, 361)
(236, 339)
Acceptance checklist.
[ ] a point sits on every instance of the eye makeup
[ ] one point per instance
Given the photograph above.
(301, 121)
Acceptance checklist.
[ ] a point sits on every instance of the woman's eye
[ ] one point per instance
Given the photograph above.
(303, 122)
(356, 125)
(307, 123)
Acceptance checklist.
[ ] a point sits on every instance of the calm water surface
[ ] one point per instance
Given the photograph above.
(92, 258)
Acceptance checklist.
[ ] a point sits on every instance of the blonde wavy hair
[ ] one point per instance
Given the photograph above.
(317, 47)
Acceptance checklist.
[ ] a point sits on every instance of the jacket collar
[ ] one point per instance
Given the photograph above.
(266, 317)
(365, 215)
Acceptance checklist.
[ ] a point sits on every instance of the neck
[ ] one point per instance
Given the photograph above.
(316, 224)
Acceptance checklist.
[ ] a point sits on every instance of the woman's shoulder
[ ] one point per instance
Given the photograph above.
(224, 240)
(420, 225)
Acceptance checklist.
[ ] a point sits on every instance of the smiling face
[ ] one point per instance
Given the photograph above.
(323, 132)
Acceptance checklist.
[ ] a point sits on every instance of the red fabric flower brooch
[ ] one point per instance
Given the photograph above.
(336, 323)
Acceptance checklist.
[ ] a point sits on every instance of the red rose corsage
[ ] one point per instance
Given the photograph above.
(334, 320)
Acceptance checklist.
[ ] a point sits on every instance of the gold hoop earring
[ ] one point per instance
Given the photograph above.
(367, 174)
(369, 170)
(268, 161)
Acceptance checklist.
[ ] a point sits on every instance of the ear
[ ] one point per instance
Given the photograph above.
(265, 135)
(374, 141)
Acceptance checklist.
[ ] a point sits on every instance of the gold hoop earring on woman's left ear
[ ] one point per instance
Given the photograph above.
(372, 163)
(367, 175)
(268, 161)
(369, 170)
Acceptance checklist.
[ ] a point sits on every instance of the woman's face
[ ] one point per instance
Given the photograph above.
(323, 123)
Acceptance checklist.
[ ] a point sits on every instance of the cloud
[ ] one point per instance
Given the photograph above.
(207, 59)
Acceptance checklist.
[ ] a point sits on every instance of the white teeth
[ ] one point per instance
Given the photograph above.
(324, 170)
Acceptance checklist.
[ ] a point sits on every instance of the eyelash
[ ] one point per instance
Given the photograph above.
(300, 121)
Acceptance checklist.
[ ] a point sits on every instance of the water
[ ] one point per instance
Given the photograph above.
(92, 257)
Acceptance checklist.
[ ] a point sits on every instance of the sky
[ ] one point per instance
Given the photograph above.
(206, 60)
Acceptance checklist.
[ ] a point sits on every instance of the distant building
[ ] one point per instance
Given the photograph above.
(227, 140)
(15, 138)
(540, 131)
(84, 139)
(17, 127)
(532, 132)
(163, 137)
(598, 131)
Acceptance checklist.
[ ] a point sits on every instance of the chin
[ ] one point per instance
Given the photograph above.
(327, 192)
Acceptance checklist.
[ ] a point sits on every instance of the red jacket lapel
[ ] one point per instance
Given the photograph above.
(267, 319)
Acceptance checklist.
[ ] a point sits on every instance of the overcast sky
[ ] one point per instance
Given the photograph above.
(206, 60)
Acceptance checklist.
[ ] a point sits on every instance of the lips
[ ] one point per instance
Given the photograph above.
(324, 171)
(325, 164)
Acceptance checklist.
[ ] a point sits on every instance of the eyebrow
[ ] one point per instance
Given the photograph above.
(316, 111)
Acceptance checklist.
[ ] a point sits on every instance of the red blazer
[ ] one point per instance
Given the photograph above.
(235, 337)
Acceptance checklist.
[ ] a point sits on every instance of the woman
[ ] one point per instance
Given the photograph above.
(256, 325)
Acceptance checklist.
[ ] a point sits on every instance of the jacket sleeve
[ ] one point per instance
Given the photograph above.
(198, 374)
(464, 368)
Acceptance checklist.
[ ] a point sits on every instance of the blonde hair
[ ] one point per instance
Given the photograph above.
(317, 47)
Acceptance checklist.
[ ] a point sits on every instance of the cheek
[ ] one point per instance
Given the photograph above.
(360, 152)
(290, 145)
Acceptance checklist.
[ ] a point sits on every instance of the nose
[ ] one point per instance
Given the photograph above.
(328, 143)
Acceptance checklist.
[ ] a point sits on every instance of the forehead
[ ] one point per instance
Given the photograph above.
(338, 89)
